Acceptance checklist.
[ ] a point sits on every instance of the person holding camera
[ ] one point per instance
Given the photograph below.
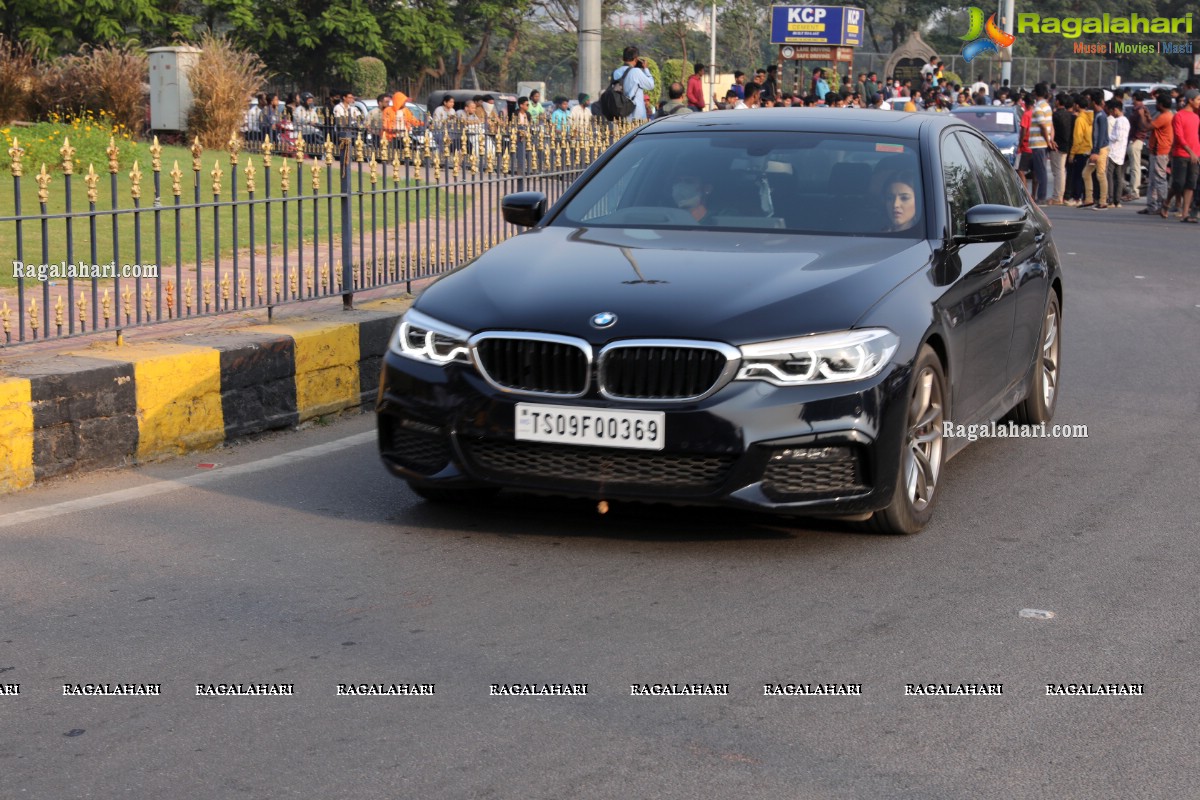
(636, 80)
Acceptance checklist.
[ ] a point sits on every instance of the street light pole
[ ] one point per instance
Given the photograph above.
(1006, 20)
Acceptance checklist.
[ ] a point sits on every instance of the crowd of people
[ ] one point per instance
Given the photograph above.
(1083, 149)
(1075, 149)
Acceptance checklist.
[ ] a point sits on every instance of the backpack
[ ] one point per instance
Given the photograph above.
(614, 103)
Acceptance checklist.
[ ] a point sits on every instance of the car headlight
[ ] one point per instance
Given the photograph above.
(819, 359)
(423, 338)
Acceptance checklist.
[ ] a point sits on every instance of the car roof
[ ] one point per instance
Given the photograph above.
(810, 120)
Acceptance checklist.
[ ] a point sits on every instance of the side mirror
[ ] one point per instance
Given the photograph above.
(523, 208)
(994, 223)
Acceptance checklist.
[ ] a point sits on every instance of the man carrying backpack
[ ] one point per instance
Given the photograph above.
(635, 80)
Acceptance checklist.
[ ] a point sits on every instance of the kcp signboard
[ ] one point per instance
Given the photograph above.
(833, 25)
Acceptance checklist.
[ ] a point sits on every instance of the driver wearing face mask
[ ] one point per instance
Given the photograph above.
(691, 193)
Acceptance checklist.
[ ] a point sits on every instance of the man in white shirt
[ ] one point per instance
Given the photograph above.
(582, 113)
(637, 80)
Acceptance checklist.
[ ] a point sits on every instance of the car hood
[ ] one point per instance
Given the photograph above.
(719, 285)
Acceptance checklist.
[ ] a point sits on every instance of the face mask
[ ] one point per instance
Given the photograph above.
(686, 195)
(488, 107)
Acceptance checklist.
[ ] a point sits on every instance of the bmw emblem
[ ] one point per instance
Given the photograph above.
(605, 319)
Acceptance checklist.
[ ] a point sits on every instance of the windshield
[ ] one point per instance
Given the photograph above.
(813, 183)
(990, 121)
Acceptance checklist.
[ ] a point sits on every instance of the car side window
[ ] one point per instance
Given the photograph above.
(962, 191)
(997, 175)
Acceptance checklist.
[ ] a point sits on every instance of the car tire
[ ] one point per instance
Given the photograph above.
(1038, 406)
(922, 452)
(447, 495)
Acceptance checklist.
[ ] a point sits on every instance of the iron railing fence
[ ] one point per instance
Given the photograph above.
(356, 211)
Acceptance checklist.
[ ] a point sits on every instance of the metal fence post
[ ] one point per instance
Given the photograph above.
(347, 241)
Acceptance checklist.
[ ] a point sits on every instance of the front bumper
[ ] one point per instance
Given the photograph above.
(812, 450)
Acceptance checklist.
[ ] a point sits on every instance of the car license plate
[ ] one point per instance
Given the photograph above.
(595, 427)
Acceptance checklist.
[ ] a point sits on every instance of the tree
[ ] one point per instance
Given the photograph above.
(60, 27)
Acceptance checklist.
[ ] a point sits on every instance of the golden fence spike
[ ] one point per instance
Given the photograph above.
(33, 317)
(328, 147)
(91, 180)
(127, 303)
(197, 150)
(176, 178)
(113, 154)
(58, 311)
(235, 146)
(156, 155)
(242, 288)
(81, 306)
(147, 301)
(189, 292)
(216, 175)
(106, 306)
(170, 299)
(208, 293)
(43, 182)
(396, 164)
(15, 153)
(250, 187)
(260, 289)
(285, 176)
(359, 151)
(374, 169)
(315, 169)
(135, 181)
(407, 148)
(276, 283)
(68, 156)
(456, 163)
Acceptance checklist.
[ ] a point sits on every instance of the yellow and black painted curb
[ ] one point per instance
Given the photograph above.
(108, 406)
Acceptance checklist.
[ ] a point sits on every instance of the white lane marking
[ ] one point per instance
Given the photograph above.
(1140, 277)
(1036, 613)
(162, 487)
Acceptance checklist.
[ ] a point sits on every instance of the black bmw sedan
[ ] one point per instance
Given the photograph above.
(785, 310)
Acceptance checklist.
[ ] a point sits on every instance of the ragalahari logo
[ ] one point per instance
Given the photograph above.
(984, 38)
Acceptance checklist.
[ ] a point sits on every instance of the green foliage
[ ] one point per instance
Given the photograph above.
(655, 73)
(952, 78)
(674, 70)
(60, 27)
(369, 77)
(89, 133)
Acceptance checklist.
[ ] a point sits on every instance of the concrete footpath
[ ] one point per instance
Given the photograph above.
(85, 404)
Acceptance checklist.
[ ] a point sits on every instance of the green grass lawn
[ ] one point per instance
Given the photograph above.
(413, 205)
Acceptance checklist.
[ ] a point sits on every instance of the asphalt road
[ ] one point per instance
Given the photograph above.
(299, 560)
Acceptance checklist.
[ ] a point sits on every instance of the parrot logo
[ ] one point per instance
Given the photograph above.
(984, 38)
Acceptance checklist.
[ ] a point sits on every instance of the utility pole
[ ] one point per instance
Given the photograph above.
(712, 59)
(590, 67)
